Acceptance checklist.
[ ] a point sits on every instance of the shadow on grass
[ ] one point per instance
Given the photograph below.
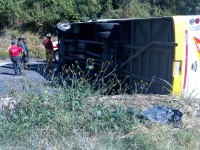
(52, 75)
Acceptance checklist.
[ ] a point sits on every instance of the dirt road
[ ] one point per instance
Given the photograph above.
(37, 76)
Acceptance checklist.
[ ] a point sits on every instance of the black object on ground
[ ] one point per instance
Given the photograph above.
(162, 114)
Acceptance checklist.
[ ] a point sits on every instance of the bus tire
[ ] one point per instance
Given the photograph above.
(56, 56)
(107, 35)
(106, 27)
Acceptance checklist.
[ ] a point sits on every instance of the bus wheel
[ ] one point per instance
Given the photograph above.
(56, 56)
(107, 27)
(107, 36)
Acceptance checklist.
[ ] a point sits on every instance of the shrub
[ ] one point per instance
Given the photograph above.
(4, 54)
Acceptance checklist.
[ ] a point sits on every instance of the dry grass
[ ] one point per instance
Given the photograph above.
(35, 43)
(182, 135)
(190, 108)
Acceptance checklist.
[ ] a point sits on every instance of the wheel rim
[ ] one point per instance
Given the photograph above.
(56, 56)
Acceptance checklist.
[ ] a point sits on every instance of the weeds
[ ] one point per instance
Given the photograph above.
(142, 87)
(168, 86)
(65, 108)
(69, 113)
(4, 54)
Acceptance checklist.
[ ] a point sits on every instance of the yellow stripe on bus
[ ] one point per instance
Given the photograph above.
(179, 29)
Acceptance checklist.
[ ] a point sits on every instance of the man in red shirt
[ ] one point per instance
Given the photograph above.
(15, 52)
(49, 50)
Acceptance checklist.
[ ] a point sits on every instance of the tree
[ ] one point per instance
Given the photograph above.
(188, 7)
(42, 14)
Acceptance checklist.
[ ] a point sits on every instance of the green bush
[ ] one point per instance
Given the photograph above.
(37, 53)
(42, 16)
(4, 54)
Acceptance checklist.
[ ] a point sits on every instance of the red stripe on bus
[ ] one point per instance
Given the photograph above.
(197, 39)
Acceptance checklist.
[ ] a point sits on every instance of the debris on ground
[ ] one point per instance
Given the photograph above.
(7, 103)
(162, 114)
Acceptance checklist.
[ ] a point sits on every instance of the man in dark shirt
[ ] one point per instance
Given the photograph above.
(49, 50)
(21, 43)
(15, 52)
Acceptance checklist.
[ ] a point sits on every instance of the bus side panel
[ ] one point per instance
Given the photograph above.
(187, 56)
(144, 40)
(179, 57)
(191, 82)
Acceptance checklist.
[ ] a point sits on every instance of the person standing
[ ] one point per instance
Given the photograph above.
(25, 59)
(26, 45)
(15, 52)
(49, 50)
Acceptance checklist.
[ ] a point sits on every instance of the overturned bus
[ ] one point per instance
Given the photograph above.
(163, 49)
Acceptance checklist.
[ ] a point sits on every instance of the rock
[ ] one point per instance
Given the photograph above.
(7, 103)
